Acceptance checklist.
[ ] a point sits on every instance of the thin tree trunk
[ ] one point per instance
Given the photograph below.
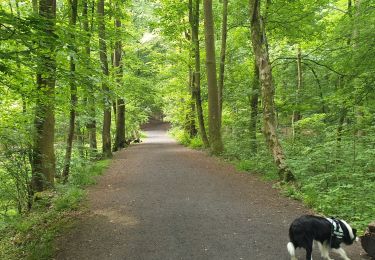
(91, 125)
(35, 6)
(323, 107)
(258, 37)
(197, 71)
(106, 134)
(296, 113)
(213, 101)
(254, 98)
(222, 56)
(120, 111)
(191, 116)
(340, 127)
(73, 91)
(43, 166)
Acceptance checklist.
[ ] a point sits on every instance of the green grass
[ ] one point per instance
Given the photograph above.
(32, 236)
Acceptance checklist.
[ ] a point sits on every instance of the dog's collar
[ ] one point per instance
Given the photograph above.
(336, 230)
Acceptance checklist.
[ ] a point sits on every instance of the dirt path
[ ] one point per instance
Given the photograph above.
(161, 201)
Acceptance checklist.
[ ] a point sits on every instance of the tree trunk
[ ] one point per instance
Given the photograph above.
(35, 6)
(213, 101)
(254, 98)
(120, 111)
(258, 38)
(73, 92)
(222, 56)
(197, 70)
(296, 113)
(106, 134)
(91, 125)
(191, 116)
(43, 166)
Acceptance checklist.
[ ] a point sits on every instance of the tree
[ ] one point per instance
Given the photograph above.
(194, 23)
(91, 124)
(190, 117)
(254, 99)
(259, 42)
(73, 4)
(43, 161)
(197, 71)
(120, 111)
(106, 134)
(224, 32)
(213, 101)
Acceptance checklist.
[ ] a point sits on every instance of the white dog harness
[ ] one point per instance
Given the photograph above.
(336, 230)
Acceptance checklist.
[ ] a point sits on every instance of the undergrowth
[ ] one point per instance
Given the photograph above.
(332, 180)
(183, 138)
(31, 235)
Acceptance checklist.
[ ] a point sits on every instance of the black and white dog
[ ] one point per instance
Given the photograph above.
(328, 233)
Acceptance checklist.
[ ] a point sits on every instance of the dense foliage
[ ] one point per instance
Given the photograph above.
(24, 48)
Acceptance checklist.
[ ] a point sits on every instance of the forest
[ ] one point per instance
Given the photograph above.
(284, 89)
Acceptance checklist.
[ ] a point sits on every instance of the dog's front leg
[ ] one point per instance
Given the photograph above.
(324, 250)
(342, 253)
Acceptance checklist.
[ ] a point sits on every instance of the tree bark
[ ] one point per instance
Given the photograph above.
(222, 56)
(120, 111)
(197, 71)
(73, 91)
(254, 98)
(91, 125)
(106, 134)
(296, 113)
(258, 38)
(191, 116)
(213, 101)
(43, 166)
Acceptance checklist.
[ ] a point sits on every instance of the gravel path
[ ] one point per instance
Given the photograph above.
(161, 201)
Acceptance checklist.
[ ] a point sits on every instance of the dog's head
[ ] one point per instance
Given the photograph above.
(350, 235)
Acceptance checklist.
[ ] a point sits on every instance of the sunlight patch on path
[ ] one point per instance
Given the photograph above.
(117, 217)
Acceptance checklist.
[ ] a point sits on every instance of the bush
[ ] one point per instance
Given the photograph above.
(31, 236)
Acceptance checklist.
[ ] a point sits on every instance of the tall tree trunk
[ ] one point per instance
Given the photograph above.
(120, 111)
(197, 70)
(43, 166)
(73, 90)
(190, 116)
(254, 98)
(258, 38)
(106, 134)
(91, 124)
(222, 56)
(213, 101)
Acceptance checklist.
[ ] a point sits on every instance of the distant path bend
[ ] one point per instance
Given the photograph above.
(161, 201)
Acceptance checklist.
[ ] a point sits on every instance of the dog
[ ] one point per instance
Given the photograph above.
(328, 233)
